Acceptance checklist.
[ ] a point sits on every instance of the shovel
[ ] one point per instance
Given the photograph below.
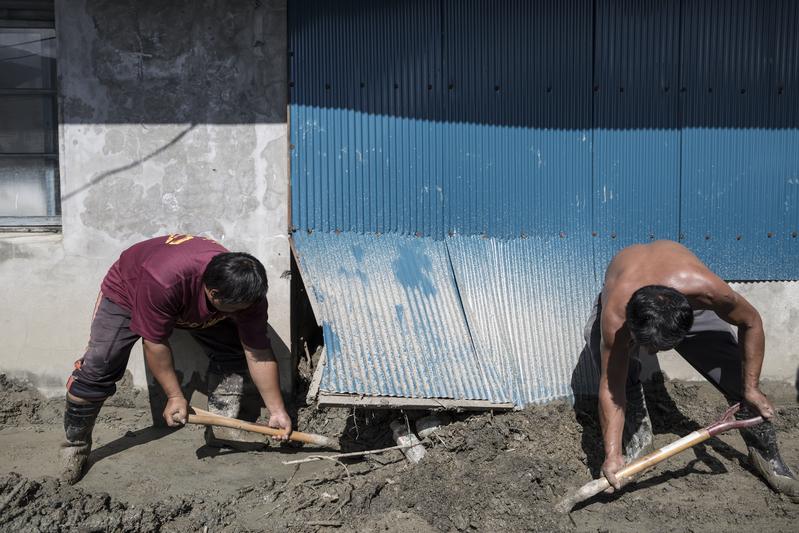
(592, 488)
(204, 418)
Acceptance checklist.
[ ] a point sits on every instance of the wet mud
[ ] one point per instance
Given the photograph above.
(482, 472)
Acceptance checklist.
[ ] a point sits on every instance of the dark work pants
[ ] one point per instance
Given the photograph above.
(103, 365)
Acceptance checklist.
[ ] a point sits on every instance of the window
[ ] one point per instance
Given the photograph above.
(29, 182)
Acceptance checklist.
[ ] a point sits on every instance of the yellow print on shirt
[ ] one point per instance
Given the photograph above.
(178, 238)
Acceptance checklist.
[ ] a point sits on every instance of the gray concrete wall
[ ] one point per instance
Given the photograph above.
(173, 119)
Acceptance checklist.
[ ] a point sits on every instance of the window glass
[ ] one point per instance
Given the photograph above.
(27, 124)
(27, 186)
(27, 58)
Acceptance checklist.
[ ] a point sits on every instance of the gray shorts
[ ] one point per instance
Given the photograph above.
(711, 347)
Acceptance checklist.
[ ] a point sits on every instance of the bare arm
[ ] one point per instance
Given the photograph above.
(735, 309)
(612, 393)
(264, 372)
(159, 360)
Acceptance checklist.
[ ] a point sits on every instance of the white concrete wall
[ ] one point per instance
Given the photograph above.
(173, 120)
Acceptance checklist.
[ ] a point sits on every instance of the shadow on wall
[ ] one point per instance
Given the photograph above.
(552, 65)
(124, 168)
(153, 62)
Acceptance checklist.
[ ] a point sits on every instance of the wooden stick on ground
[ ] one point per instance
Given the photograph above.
(349, 454)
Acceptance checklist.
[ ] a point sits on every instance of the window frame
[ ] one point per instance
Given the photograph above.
(50, 222)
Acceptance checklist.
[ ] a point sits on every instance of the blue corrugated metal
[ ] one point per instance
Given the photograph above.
(565, 129)
(432, 118)
(517, 158)
(365, 104)
(526, 302)
(636, 135)
(740, 162)
(392, 318)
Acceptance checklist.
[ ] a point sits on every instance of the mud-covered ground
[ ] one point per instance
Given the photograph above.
(482, 472)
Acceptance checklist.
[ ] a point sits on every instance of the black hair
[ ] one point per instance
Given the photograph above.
(659, 317)
(237, 277)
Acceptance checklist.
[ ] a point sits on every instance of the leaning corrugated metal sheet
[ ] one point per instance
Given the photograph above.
(526, 302)
(463, 318)
(392, 319)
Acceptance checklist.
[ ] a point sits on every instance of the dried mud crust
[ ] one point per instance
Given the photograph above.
(482, 472)
(21, 404)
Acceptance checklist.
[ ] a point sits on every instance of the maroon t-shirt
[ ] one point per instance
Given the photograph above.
(160, 282)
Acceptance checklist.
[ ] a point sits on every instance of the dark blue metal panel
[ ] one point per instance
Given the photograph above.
(432, 118)
(365, 110)
(636, 135)
(740, 162)
(532, 125)
(518, 99)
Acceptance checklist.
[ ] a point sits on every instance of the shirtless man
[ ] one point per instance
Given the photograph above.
(660, 296)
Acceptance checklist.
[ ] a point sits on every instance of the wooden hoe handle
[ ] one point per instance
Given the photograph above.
(205, 418)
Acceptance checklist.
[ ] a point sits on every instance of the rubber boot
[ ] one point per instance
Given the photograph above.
(764, 456)
(225, 395)
(638, 439)
(78, 425)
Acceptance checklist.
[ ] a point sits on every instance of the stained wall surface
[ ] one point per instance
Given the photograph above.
(173, 119)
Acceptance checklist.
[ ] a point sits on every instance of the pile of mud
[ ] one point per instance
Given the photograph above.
(49, 505)
(482, 472)
(22, 404)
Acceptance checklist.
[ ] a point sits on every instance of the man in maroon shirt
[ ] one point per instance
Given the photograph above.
(177, 281)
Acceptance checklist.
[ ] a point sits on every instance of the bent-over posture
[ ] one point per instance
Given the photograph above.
(660, 296)
(176, 281)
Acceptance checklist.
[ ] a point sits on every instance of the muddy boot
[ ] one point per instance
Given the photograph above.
(225, 395)
(764, 456)
(638, 439)
(78, 425)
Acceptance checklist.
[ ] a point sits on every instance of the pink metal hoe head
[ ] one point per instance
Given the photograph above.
(728, 421)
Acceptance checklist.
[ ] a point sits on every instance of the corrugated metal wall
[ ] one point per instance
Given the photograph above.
(564, 129)
(635, 124)
(740, 132)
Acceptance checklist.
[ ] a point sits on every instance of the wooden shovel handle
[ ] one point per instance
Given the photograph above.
(205, 418)
(592, 488)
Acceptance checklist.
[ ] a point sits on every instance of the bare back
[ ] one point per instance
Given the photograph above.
(661, 263)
